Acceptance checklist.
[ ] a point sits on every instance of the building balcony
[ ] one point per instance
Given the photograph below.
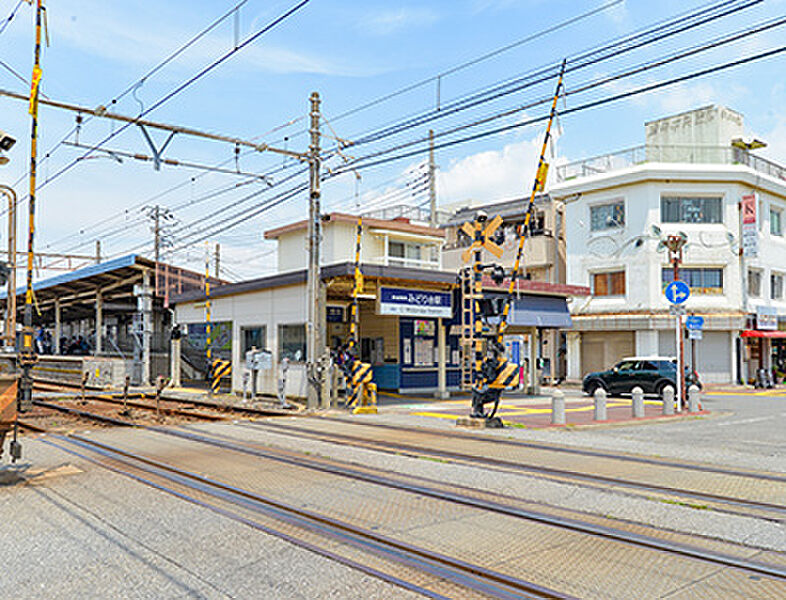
(684, 154)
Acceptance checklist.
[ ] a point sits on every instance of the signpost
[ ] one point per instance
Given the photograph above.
(677, 293)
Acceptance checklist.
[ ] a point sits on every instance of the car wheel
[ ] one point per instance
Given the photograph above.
(662, 385)
(594, 386)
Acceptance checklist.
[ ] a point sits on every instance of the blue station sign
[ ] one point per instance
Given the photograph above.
(415, 303)
(677, 292)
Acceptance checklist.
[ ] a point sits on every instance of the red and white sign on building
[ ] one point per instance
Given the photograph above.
(750, 226)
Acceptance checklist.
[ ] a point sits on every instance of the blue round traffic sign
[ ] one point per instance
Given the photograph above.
(677, 292)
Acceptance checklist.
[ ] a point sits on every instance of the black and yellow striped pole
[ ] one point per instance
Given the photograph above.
(27, 355)
(537, 186)
(221, 368)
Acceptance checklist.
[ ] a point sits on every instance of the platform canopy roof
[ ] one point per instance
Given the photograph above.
(114, 279)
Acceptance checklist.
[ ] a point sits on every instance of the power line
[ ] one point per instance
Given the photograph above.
(204, 71)
(612, 45)
(580, 61)
(11, 16)
(588, 105)
(637, 69)
(624, 38)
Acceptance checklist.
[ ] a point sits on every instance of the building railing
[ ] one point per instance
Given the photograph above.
(691, 154)
(413, 263)
(406, 211)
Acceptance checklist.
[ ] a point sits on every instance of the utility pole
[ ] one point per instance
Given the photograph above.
(10, 318)
(313, 341)
(98, 252)
(160, 217)
(27, 355)
(432, 180)
(218, 261)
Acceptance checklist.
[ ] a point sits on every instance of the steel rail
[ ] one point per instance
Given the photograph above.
(466, 574)
(299, 459)
(95, 398)
(415, 450)
(565, 450)
(260, 412)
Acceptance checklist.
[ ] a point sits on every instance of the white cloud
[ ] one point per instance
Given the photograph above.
(393, 21)
(492, 175)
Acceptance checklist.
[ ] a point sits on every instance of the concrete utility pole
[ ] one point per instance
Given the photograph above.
(313, 341)
(218, 261)
(432, 180)
(10, 318)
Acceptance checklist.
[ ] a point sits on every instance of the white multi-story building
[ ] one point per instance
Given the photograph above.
(690, 177)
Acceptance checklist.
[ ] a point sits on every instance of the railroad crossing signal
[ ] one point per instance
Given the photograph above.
(482, 237)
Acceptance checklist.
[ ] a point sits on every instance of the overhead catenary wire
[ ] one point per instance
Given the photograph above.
(10, 17)
(592, 104)
(627, 38)
(239, 218)
(604, 80)
(183, 86)
(135, 85)
(612, 46)
(365, 158)
(581, 60)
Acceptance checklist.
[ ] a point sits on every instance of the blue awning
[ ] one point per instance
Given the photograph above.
(540, 311)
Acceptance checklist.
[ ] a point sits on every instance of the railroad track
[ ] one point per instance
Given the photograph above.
(421, 443)
(436, 573)
(166, 402)
(465, 578)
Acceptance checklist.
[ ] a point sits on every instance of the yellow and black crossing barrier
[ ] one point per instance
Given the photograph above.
(218, 370)
(363, 397)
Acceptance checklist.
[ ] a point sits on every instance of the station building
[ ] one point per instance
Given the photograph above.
(408, 310)
(693, 176)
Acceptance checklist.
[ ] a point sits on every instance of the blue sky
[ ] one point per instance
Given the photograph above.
(351, 53)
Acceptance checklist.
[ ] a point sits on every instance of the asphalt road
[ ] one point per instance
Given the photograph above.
(742, 423)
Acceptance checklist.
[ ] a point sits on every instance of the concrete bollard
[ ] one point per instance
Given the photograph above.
(558, 408)
(668, 400)
(638, 402)
(693, 399)
(600, 405)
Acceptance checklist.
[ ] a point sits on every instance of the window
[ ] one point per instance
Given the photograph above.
(253, 337)
(412, 254)
(700, 281)
(607, 216)
(776, 286)
(292, 342)
(776, 221)
(608, 284)
(754, 283)
(678, 209)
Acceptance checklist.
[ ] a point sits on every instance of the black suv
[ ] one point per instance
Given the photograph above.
(651, 374)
